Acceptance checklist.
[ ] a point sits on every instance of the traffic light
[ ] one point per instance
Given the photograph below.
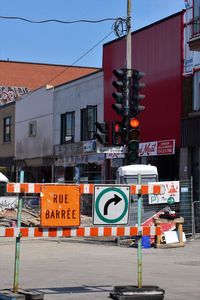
(117, 134)
(120, 94)
(103, 137)
(133, 140)
(134, 101)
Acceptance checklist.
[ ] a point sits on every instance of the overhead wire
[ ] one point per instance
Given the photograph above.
(59, 21)
(117, 21)
(83, 55)
(68, 67)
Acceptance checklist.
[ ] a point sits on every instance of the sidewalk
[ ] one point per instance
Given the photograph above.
(67, 269)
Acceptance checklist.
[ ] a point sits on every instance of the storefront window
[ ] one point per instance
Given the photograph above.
(67, 127)
(90, 173)
(88, 119)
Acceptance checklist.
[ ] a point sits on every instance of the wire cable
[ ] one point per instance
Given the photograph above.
(68, 67)
(59, 21)
(88, 51)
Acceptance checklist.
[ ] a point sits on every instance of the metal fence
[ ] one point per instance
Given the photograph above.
(186, 208)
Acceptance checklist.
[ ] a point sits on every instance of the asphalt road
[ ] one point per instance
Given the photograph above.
(74, 270)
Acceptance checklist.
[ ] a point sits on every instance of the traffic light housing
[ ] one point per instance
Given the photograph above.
(135, 97)
(120, 94)
(103, 136)
(118, 133)
(133, 140)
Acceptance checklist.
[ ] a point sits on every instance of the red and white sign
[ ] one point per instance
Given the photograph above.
(166, 147)
(170, 196)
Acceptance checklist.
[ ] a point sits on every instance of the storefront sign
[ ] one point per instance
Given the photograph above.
(114, 155)
(60, 205)
(166, 147)
(89, 146)
(171, 195)
(96, 158)
(111, 149)
(82, 159)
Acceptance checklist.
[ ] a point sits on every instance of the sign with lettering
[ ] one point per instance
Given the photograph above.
(166, 147)
(60, 205)
(170, 196)
(114, 155)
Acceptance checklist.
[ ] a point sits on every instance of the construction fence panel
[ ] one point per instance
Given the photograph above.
(186, 208)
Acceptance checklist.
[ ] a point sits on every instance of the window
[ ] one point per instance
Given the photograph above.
(32, 128)
(67, 127)
(88, 119)
(7, 129)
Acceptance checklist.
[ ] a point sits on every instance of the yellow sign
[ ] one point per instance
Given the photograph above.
(60, 205)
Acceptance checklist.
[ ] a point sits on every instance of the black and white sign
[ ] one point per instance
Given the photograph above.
(111, 205)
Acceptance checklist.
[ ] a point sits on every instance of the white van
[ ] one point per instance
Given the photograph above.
(129, 174)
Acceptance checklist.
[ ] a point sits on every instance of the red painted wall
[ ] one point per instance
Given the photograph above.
(157, 51)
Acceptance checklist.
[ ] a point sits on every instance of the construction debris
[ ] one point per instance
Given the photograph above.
(8, 218)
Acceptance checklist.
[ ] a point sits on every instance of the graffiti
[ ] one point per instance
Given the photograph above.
(11, 93)
(8, 202)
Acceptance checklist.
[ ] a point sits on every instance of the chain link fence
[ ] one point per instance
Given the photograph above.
(186, 208)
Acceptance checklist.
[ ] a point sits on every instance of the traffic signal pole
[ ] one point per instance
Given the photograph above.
(128, 66)
(126, 116)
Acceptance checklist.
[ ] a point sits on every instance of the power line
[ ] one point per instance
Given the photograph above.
(83, 55)
(59, 21)
(68, 67)
(117, 24)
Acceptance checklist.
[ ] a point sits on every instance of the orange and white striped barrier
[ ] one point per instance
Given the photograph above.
(31, 188)
(34, 232)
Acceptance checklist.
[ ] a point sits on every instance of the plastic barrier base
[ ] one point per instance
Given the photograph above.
(31, 294)
(21, 295)
(129, 292)
(9, 295)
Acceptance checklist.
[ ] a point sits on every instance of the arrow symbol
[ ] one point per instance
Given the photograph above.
(114, 200)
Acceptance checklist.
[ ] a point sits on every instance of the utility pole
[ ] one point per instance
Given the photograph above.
(128, 57)
(128, 67)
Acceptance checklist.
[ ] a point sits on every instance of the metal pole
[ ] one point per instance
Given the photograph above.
(17, 244)
(192, 208)
(128, 67)
(128, 48)
(139, 252)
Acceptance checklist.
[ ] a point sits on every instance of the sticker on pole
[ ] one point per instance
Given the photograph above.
(111, 205)
(60, 205)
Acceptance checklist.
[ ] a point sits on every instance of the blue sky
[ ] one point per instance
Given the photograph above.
(64, 44)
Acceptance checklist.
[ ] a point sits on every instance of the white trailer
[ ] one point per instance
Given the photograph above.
(129, 174)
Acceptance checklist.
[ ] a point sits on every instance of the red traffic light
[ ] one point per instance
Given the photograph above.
(117, 127)
(117, 133)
